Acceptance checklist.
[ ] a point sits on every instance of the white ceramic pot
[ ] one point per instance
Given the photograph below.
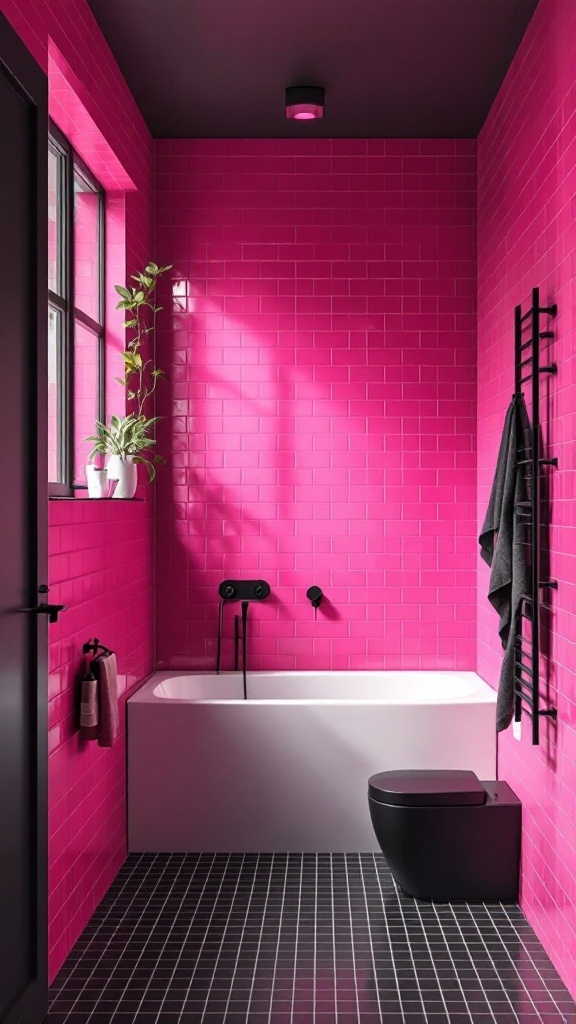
(96, 478)
(125, 472)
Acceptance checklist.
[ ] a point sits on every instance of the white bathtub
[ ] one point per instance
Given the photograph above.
(286, 770)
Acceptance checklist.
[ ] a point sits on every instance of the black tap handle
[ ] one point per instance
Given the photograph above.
(314, 595)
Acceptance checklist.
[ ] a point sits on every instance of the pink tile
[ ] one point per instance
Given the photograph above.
(91, 567)
(306, 356)
(526, 238)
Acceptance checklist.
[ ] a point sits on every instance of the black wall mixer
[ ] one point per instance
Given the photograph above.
(243, 591)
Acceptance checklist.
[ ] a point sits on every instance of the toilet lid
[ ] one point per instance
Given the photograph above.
(427, 788)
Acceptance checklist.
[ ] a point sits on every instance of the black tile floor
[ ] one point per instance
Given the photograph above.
(298, 939)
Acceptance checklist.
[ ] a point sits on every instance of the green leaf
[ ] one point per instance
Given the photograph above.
(122, 291)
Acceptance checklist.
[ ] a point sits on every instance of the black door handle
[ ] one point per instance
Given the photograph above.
(52, 610)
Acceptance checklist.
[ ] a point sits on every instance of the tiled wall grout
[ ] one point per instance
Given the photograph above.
(100, 555)
(325, 301)
(527, 238)
(320, 410)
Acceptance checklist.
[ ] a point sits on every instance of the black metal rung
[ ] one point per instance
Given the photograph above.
(549, 310)
(525, 682)
(549, 713)
(553, 368)
(524, 697)
(524, 668)
(546, 334)
(524, 379)
(548, 584)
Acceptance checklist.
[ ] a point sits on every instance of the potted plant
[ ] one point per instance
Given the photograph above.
(129, 440)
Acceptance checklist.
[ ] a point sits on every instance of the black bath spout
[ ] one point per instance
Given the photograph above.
(315, 595)
(243, 591)
(244, 623)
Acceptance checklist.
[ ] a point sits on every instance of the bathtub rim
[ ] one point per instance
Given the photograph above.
(482, 694)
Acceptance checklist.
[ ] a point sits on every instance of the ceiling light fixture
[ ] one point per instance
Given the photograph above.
(305, 102)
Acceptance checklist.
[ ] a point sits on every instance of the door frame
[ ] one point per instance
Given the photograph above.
(21, 69)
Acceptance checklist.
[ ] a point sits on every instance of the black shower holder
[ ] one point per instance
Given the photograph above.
(528, 334)
(243, 591)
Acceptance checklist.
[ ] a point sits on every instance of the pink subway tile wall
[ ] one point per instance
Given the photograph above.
(320, 346)
(100, 553)
(99, 568)
(527, 237)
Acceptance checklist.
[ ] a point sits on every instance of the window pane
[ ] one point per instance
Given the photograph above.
(54, 338)
(86, 248)
(86, 367)
(54, 222)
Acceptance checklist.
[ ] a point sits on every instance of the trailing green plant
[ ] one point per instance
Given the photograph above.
(132, 435)
(127, 436)
(140, 376)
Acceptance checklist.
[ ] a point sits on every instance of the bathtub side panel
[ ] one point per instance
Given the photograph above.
(281, 778)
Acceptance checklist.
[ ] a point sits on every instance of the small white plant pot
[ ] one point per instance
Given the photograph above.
(97, 480)
(124, 472)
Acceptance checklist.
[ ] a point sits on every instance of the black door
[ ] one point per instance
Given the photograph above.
(23, 508)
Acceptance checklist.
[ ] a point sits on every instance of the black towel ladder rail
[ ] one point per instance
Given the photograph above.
(527, 695)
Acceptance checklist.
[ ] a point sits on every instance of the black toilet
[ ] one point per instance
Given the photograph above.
(446, 835)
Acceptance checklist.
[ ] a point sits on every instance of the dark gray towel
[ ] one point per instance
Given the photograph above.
(503, 545)
(106, 672)
(89, 708)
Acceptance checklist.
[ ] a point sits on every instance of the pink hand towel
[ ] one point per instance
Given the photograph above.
(107, 675)
(89, 708)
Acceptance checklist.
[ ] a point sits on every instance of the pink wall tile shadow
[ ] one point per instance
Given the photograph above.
(320, 416)
(105, 581)
(527, 237)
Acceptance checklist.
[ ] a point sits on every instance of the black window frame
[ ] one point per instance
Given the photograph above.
(69, 314)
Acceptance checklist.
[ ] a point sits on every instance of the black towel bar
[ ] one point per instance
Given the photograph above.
(527, 648)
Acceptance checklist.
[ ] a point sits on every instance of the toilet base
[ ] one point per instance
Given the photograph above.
(454, 853)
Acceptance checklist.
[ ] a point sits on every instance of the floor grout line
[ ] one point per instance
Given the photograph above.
(299, 939)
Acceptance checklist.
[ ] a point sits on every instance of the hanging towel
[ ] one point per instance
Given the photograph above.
(503, 546)
(89, 708)
(106, 672)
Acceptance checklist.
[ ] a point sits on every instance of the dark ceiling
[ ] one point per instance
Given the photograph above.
(391, 68)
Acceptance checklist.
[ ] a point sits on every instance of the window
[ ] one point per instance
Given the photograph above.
(76, 356)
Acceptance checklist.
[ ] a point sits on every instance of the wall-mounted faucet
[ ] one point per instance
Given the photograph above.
(243, 591)
(315, 595)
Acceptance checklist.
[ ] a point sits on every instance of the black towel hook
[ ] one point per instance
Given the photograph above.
(95, 647)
